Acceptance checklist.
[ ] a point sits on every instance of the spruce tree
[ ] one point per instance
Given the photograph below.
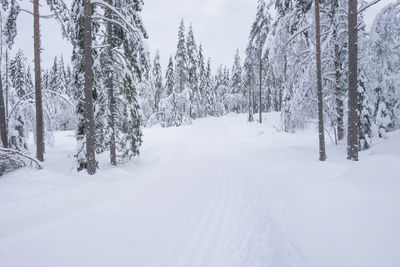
(158, 81)
(192, 75)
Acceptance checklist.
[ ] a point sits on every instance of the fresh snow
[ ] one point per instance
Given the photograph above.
(219, 192)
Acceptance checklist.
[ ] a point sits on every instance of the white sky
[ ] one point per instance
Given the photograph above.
(220, 25)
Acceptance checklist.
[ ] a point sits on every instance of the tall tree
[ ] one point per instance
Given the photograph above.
(181, 59)
(353, 116)
(88, 88)
(169, 77)
(38, 88)
(158, 81)
(322, 153)
(192, 74)
(258, 35)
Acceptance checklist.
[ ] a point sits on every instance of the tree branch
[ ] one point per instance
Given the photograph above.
(16, 152)
(363, 8)
(41, 16)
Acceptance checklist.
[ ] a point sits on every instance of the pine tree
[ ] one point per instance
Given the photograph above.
(211, 106)
(181, 58)
(237, 101)
(158, 81)
(170, 78)
(192, 75)
(124, 75)
(353, 116)
(322, 153)
(40, 149)
(203, 82)
(82, 60)
(182, 92)
(249, 79)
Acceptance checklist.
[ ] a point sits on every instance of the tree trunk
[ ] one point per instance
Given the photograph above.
(88, 72)
(338, 75)
(260, 89)
(3, 121)
(110, 85)
(353, 117)
(250, 107)
(322, 153)
(38, 89)
(7, 93)
(254, 101)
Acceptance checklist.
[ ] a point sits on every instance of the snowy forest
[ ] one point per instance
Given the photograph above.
(313, 89)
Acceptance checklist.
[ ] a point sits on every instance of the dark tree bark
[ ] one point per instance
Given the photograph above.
(338, 74)
(260, 88)
(3, 120)
(38, 89)
(250, 107)
(110, 85)
(88, 72)
(353, 116)
(322, 153)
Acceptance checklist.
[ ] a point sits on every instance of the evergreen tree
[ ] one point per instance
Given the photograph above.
(192, 75)
(170, 78)
(158, 81)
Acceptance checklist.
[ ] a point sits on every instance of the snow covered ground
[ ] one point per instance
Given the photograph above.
(220, 192)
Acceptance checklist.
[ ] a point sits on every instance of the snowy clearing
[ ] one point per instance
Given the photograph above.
(220, 192)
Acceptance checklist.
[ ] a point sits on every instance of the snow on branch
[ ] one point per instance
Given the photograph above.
(116, 12)
(18, 153)
(41, 16)
(363, 8)
(31, 93)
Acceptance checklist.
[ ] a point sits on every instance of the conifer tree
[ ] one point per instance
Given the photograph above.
(353, 116)
(192, 75)
(181, 60)
(170, 77)
(158, 81)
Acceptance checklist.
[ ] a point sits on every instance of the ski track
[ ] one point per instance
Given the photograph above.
(205, 210)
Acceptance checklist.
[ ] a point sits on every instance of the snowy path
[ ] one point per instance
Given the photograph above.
(210, 194)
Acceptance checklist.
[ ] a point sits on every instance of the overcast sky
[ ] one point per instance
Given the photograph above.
(221, 26)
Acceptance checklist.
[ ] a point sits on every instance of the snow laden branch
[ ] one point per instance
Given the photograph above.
(41, 16)
(366, 6)
(18, 153)
(118, 14)
(44, 91)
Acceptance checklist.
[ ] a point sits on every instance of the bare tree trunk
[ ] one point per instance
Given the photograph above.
(110, 85)
(88, 70)
(284, 77)
(254, 101)
(260, 89)
(353, 117)
(339, 94)
(3, 121)
(7, 92)
(250, 107)
(322, 153)
(338, 75)
(38, 89)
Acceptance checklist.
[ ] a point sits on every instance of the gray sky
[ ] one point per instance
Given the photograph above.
(220, 25)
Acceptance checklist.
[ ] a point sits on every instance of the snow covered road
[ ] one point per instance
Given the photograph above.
(220, 192)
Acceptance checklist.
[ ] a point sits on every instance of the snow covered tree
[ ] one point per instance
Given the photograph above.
(170, 77)
(192, 75)
(235, 101)
(125, 64)
(158, 81)
(182, 91)
(258, 36)
(211, 106)
(321, 135)
(353, 117)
